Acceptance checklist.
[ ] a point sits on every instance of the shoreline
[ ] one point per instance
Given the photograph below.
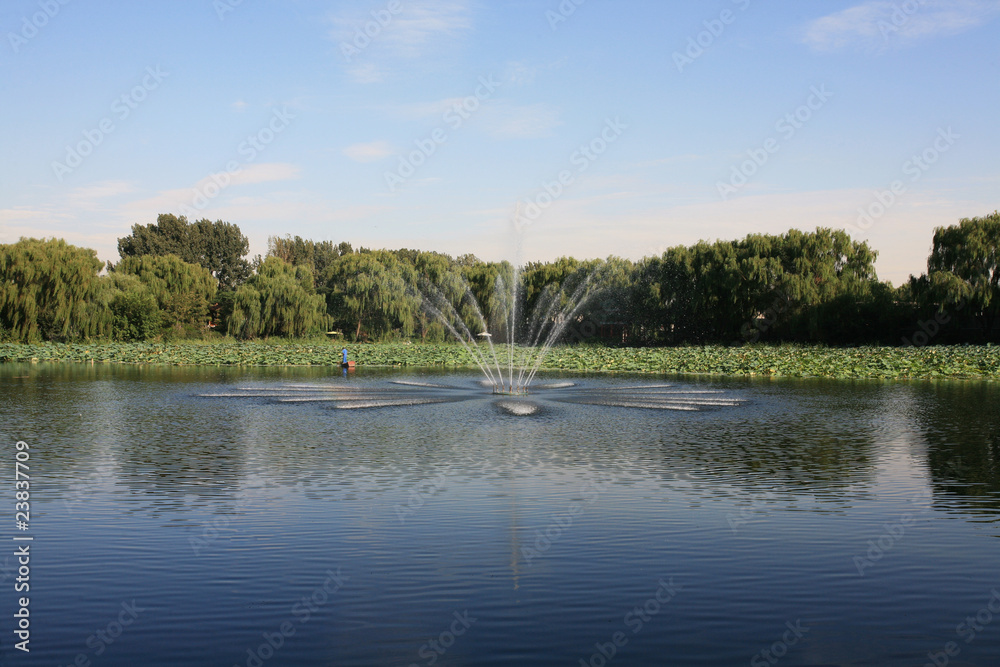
(959, 362)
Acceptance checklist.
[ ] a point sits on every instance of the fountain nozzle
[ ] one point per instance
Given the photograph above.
(502, 390)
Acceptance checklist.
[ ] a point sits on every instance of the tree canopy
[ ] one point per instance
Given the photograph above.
(314, 255)
(182, 291)
(371, 293)
(181, 278)
(217, 246)
(280, 300)
(964, 267)
(50, 289)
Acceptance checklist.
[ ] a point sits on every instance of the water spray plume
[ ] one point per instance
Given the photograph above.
(542, 330)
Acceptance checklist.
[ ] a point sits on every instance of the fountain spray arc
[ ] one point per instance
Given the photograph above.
(528, 340)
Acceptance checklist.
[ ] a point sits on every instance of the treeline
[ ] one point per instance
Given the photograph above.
(181, 279)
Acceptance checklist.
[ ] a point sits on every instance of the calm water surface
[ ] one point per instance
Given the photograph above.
(264, 517)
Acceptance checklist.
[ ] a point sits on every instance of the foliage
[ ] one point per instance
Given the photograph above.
(135, 314)
(371, 293)
(182, 291)
(49, 289)
(937, 362)
(798, 287)
(317, 256)
(280, 300)
(217, 246)
(964, 268)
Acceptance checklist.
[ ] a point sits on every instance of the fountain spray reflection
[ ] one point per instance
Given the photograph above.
(408, 393)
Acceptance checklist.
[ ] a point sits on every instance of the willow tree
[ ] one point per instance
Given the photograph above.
(694, 290)
(50, 289)
(280, 300)
(315, 255)
(135, 314)
(817, 286)
(372, 293)
(436, 277)
(244, 321)
(964, 268)
(491, 285)
(182, 291)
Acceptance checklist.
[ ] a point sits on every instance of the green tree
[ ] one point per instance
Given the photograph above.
(135, 314)
(244, 322)
(434, 274)
(217, 246)
(280, 300)
(964, 268)
(372, 293)
(784, 285)
(50, 289)
(315, 255)
(819, 283)
(183, 291)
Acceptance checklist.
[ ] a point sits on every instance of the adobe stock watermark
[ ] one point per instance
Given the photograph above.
(747, 512)
(121, 108)
(202, 195)
(223, 7)
(635, 620)
(302, 611)
(931, 328)
(565, 9)
(900, 16)
(582, 159)
(787, 126)
(454, 117)
(752, 330)
(967, 630)
(700, 43)
(38, 20)
(365, 34)
(559, 523)
(419, 495)
(103, 638)
(779, 649)
(104, 473)
(892, 533)
(211, 530)
(435, 648)
(915, 168)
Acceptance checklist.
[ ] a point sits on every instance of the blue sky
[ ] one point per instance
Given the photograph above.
(666, 122)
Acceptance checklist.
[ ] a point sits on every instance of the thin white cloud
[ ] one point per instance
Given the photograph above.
(57, 222)
(23, 221)
(509, 121)
(103, 190)
(370, 152)
(179, 199)
(94, 197)
(673, 159)
(500, 118)
(367, 42)
(265, 172)
(366, 73)
(422, 110)
(520, 74)
(422, 23)
(878, 25)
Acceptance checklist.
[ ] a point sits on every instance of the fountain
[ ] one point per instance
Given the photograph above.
(509, 368)
(528, 340)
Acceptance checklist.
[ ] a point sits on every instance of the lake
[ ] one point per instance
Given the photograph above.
(297, 516)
